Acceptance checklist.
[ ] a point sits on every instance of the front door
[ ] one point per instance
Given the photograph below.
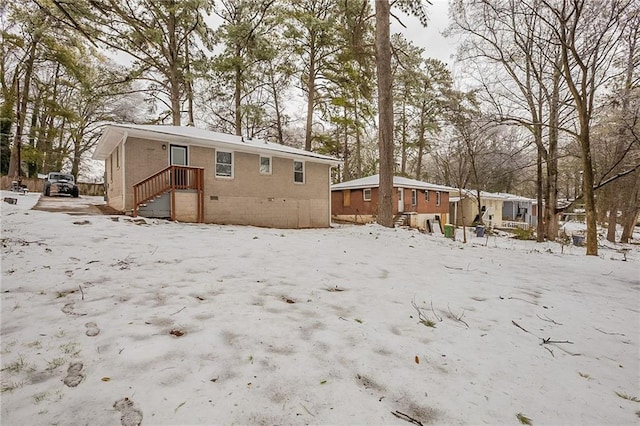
(400, 200)
(178, 157)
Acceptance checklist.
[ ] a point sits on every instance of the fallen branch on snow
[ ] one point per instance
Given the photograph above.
(548, 319)
(406, 417)
(610, 334)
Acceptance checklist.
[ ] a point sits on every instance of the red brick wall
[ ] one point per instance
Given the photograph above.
(359, 206)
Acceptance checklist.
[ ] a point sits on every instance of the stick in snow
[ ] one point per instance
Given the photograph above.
(406, 417)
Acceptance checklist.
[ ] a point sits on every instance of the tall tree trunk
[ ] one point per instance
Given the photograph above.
(188, 85)
(345, 151)
(385, 113)
(33, 166)
(552, 161)
(612, 220)
(587, 188)
(21, 113)
(539, 191)
(174, 72)
(276, 106)
(630, 213)
(237, 93)
(311, 96)
(358, 143)
(403, 139)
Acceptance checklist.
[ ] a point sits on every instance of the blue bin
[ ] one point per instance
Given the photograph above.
(479, 231)
(578, 240)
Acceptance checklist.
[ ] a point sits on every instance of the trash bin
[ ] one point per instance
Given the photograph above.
(449, 231)
(479, 231)
(578, 240)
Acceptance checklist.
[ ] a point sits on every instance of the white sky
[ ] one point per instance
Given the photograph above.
(206, 324)
(430, 38)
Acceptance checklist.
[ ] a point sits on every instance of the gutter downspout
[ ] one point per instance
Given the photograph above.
(124, 175)
(330, 196)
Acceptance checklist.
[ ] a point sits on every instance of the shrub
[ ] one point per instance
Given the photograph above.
(523, 234)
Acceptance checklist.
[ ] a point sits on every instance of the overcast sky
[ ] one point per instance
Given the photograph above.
(430, 38)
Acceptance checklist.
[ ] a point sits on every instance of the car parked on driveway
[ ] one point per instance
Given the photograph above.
(60, 183)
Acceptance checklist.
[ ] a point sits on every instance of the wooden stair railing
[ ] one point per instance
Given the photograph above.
(170, 179)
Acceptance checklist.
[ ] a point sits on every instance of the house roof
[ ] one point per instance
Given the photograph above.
(499, 196)
(114, 133)
(513, 197)
(398, 182)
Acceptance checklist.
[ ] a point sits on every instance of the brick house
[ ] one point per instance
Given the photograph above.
(415, 203)
(196, 175)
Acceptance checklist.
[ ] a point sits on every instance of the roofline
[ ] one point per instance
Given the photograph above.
(232, 143)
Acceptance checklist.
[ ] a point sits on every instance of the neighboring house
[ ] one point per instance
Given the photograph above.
(419, 204)
(517, 211)
(195, 175)
(465, 210)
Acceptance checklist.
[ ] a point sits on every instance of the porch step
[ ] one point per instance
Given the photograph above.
(400, 221)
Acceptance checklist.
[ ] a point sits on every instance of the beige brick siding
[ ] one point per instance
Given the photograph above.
(249, 198)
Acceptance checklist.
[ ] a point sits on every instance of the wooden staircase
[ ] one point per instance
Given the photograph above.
(169, 180)
(399, 220)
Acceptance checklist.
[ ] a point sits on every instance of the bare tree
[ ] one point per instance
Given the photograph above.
(588, 38)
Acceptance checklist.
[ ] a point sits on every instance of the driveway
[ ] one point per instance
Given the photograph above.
(81, 206)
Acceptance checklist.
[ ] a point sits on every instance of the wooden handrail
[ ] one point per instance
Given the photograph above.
(170, 179)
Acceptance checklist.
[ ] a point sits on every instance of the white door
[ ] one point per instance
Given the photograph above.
(178, 157)
(400, 200)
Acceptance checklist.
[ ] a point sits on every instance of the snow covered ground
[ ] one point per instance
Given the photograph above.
(107, 320)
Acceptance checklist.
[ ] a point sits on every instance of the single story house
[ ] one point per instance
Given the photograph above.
(195, 175)
(465, 209)
(517, 211)
(419, 204)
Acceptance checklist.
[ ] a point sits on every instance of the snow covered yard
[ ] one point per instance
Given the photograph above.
(205, 324)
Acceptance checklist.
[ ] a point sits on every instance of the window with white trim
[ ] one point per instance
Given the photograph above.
(414, 197)
(298, 171)
(437, 198)
(224, 164)
(366, 194)
(265, 165)
(426, 195)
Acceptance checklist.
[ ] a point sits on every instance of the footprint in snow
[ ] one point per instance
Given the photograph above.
(131, 416)
(92, 329)
(74, 375)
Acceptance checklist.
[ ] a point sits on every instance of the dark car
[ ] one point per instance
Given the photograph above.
(60, 183)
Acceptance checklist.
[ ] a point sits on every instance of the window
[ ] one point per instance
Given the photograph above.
(117, 152)
(298, 171)
(224, 164)
(437, 198)
(265, 165)
(426, 195)
(366, 194)
(414, 197)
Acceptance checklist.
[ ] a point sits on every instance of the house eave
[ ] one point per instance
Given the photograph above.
(109, 140)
